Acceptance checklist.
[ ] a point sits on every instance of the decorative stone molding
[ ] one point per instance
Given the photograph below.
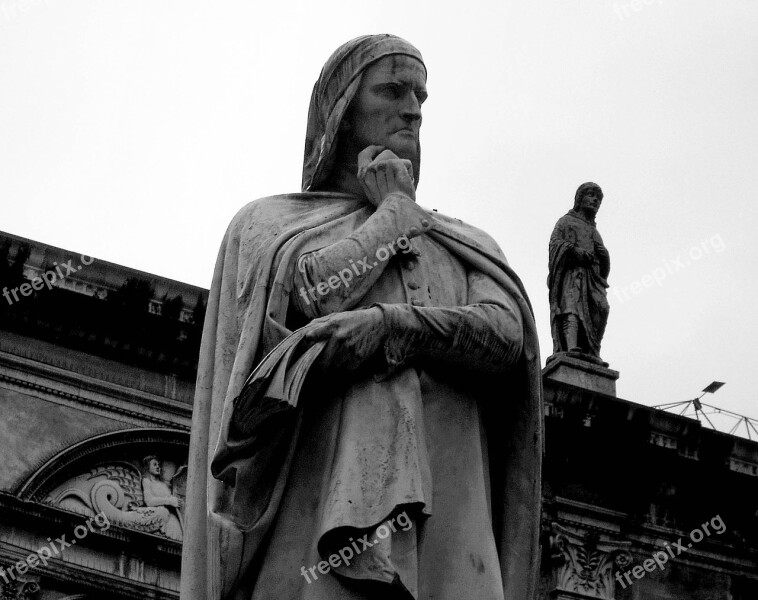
(573, 369)
(71, 388)
(663, 440)
(583, 564)
(742, 466)
(118, 491)
(20, 588)
(118, 475)
(133, 443)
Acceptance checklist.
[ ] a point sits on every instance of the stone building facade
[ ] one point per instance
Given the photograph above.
(641, 504)
(97, 369)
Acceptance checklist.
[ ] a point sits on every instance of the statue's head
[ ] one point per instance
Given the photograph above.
(152, 465)
(588, 198)
(369, 92)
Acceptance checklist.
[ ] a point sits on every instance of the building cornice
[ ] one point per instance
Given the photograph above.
(115, 541)
(105, 398)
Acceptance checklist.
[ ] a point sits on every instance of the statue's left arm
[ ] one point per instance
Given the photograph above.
(603, 258)
(485, 335)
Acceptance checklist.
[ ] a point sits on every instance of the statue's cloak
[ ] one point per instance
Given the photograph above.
(227, 518)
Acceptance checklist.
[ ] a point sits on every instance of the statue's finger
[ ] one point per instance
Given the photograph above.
(372, 186)
(319, 332)
(408, 167)
(385, 155)
(367, 156)
(382, 182)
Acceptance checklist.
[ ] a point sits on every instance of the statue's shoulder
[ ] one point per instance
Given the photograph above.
(568, 219)
(274, 213)
(281, 205)
(471, 233)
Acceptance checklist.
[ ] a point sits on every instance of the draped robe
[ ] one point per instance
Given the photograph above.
(577, 288)
(475, 503)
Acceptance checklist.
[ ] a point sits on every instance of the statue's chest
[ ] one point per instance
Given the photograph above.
(428, 276)
(584, 236)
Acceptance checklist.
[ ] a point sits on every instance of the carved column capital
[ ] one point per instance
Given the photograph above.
(583, 563)
(20, 588)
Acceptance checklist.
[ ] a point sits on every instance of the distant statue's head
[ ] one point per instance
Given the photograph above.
(588, 198)
(369, 92)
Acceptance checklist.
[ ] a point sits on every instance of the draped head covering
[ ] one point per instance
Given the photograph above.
(336, 86)
(583, 189)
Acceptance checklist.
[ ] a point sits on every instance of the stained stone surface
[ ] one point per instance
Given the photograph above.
(574, 368)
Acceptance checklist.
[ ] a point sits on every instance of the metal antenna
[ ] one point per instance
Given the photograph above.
(697, 405)
(751, 425)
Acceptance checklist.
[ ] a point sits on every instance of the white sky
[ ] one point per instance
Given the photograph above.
(134, 131)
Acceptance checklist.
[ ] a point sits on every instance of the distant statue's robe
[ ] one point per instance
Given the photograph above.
(426, 438)
(576, 288)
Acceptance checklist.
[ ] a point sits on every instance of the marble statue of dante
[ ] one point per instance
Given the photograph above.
(578, 270)
(410, 466)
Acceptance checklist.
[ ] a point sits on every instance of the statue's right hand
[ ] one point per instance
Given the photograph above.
(585, 257)
(352, 337)
(381, 172)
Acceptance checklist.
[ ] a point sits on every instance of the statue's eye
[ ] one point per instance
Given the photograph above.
(392, 90)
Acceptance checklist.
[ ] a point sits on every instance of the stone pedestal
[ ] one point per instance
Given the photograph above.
(576, 369)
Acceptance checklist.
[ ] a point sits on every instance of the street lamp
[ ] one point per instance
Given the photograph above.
(696, 404)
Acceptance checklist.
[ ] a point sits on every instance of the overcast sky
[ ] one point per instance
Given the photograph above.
(134, 131)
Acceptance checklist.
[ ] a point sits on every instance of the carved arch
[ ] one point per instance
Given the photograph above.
(106, 446)
(102, 477)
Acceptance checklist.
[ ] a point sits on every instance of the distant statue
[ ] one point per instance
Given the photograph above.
(579, 267)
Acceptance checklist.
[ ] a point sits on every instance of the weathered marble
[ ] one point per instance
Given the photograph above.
(415, 312)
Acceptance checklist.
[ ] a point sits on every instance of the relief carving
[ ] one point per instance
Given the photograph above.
(583, 564)
(150, 500)
(19, 588)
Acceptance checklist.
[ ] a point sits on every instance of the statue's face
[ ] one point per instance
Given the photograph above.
(386, 110)
(590, 202)
(155, 467)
